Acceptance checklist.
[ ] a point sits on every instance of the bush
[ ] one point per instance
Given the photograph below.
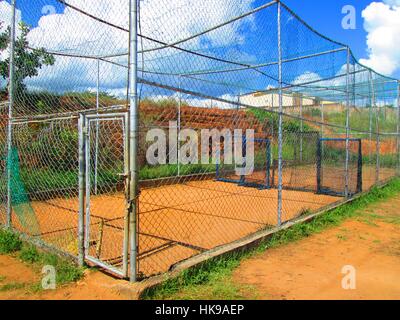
(29, 254)
(9, 242)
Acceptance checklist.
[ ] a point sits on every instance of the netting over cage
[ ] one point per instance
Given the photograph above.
(324, 126)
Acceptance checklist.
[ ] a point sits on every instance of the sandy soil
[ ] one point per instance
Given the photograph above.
(312, 268)
(23, 279)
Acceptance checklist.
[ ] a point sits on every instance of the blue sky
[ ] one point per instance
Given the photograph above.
(325, 16)
(33, 14)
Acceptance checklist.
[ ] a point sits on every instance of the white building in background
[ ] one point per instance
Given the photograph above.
(289, 100)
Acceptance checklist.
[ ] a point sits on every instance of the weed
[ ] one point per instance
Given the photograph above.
(12, 286)
(66, 271)
(9, 242)
(29, 254)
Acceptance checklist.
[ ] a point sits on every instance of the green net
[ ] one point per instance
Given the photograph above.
(21, 205)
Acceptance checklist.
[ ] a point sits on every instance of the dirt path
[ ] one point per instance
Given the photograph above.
(19, 281)
(312, 268)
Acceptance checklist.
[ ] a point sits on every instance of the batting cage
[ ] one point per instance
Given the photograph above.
(135, 135)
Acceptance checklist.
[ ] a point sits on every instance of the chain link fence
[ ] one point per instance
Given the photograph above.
(131, 150)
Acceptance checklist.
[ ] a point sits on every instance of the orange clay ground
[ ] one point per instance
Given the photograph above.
(306, 269)
(369, 243)
(179, 221)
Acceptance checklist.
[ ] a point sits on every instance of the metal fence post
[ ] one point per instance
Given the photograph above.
(301, 128)
(377, 150)
(370, 116)
(133, 136)
(398, 127)
(96, 154)
(11, 96)
(81, 217)
(347, 178)
(322, 119)
(179, 126)
(280, 133)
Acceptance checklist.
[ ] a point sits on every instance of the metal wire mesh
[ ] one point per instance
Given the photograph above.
(320, 126)
(45, 181)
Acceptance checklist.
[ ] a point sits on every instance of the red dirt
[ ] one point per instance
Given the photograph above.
(307, 269)
(95, 285)
(311, 268)
(175, 221)
(178, 221)
(388, 146)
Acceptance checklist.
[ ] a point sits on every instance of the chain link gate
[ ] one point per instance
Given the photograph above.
(106, 227)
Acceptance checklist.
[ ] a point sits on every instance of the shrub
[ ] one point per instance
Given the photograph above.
(29, 254)
(9, 242)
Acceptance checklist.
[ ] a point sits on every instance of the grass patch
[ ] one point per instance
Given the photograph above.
(209, 280)
(12, 286)
(66, 272)
(9, 242)
(212, 280)
(29, 254)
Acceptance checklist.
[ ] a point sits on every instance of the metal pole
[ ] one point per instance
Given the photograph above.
(179, 128)
(81, 218)
(370, 117)
(322, 119)
(280, 133)
(301, 128)
(96, 155)
(133, 136)
(125, 262)
(347, 124)
(320, 144)
(377, 130)
(11, 95)
(398, 127)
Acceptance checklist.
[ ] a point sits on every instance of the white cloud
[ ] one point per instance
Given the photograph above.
(307, 77)
(331, 87)
(392, 2)
(168, 21)
(5, 18)
(382, 23)
(200, 102)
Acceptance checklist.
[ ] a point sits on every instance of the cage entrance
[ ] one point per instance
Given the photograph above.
(106, 223)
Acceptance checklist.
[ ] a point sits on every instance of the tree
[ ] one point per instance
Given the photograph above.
(28, 61)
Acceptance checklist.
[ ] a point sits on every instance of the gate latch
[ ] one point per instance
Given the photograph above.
(124, 175)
